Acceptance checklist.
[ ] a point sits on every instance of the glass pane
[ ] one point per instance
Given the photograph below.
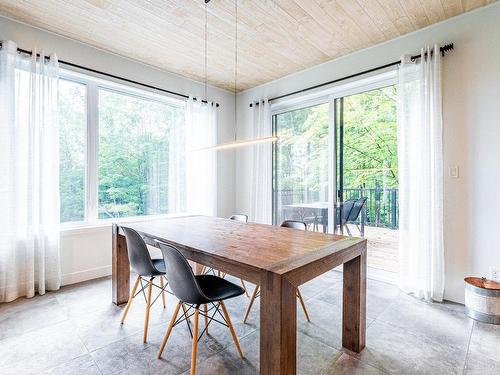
(301, 167)
(135, 137)
(370, 159)
(72, 149)
(370, 169)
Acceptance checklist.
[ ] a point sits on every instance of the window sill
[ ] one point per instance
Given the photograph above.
(70, 229)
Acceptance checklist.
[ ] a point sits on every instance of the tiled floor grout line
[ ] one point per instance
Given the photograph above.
(468, 347)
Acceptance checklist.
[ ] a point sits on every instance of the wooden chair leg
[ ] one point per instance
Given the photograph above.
(162, 292)
(252, 299)
(129, 303)
(244, 287)
(169, 330)
(148, 307)
(194, 348)
(299, 295)
(231, 329)
(205, 311)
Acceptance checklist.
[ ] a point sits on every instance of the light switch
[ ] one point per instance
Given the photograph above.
(453, 171)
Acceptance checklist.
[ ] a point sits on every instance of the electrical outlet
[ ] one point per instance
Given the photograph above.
(495, 273)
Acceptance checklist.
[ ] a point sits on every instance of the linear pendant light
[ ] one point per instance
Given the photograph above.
(235, 143)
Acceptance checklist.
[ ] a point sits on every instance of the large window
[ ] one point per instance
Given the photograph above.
(115, 146)
(134, 143)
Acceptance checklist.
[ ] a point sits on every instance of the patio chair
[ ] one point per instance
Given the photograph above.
(354, 214)
(345, 210)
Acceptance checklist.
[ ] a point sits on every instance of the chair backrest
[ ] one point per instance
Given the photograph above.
(294, 224)
(346, 209)
(356, 209)
(138, 254)
(180, 276)
(239, 217)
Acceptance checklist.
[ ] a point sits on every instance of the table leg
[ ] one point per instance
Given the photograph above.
(278, 325)
(120, 268)
(354, 304)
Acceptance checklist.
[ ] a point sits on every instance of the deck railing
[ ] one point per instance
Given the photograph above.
(382, 206)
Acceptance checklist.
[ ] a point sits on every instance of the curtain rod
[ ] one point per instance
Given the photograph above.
(443, 50)
(116, 77)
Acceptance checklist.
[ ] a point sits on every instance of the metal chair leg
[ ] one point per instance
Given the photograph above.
(188, 319)
(205, 311)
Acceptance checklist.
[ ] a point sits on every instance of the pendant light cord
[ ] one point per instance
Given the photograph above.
(235, 66)
(206, 51)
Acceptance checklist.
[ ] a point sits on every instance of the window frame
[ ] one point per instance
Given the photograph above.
(93, 85)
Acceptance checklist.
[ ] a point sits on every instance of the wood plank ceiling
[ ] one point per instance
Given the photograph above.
(275, 37)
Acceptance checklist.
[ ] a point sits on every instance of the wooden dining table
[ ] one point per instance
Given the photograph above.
(278, 259)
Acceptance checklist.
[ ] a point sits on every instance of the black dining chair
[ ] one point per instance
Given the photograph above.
(147, 269)
(354, 213)
(194, 291)
(239, 217)
(292, 224)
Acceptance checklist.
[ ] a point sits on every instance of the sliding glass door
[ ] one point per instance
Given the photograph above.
(367, 167)
(330, 154)
(301, 166)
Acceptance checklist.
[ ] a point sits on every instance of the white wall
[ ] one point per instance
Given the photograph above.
(87, 253)
(471, 109)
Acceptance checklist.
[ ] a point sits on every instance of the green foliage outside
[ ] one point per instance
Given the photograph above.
(370, 139)
(134, 146)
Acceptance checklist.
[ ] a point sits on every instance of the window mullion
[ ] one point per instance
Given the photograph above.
(92, 152)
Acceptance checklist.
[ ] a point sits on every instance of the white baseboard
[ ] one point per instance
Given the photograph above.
(93, 273)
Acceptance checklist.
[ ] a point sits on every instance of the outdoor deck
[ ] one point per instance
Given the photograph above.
(382, 247)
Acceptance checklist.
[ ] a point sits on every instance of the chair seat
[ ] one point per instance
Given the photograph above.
(217, 288)
(159, 264)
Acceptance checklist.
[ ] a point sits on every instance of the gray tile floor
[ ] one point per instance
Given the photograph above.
(76, 331)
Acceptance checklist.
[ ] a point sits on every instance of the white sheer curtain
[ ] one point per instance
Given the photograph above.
(420, 149)
(201, 165)
(262, 165)
(177, 167)
(29, 166)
